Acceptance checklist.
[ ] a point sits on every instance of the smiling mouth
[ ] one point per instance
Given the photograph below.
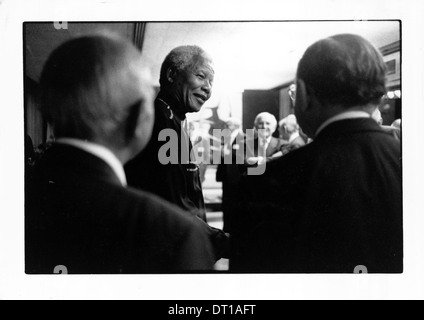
(201, 97)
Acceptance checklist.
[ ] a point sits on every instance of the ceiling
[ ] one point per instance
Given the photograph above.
(255, 55)
(42, 38)
(247, 55)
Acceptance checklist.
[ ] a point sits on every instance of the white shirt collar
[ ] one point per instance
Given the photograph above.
(294, 136)
(100, 152)
(343, 116)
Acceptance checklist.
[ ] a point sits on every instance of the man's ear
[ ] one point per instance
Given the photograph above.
(133, 121)
(138, 129)
(302, 96)
(170, 75)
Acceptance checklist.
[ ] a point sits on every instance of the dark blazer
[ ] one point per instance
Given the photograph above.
(178, 183)
(79, 215)
(328, 207)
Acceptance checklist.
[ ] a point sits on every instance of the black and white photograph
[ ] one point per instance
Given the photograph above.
(216, 150)
(109, 191)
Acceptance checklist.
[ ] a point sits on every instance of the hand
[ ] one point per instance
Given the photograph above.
(256, 160)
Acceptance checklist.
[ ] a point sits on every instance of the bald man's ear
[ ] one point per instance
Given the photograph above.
(302, 96)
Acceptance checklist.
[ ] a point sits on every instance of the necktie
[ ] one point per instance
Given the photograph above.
(263, 148)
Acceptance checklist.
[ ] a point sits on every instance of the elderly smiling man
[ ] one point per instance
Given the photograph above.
(263, 147)
(186, 84)
(186, 80)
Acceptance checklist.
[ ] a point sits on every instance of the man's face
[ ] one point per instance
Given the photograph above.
(267, 124)
(193, 87)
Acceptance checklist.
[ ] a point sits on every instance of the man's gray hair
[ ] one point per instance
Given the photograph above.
(290, 121)
(267, 115)
(180, 59)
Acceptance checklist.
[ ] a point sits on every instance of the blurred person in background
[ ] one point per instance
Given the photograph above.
(290, 132)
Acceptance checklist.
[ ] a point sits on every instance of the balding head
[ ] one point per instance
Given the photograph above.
(338, 74)
(94, 89)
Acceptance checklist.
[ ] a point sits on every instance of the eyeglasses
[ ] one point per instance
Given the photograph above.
(192, 167)
(292, 93)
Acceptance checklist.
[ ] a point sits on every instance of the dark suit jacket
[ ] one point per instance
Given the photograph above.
(226, 173)
(79, 215)
(230, 175)
(325, 208)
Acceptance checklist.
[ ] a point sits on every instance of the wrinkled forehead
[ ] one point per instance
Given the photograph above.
(266, 119)
(203, 63)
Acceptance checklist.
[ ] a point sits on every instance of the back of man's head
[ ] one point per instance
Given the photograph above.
(290, 124)
(345, 71)
(94, 89)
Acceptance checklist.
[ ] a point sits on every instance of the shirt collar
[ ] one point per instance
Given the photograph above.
(100, 152)
(267, 140)
(343, 116)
